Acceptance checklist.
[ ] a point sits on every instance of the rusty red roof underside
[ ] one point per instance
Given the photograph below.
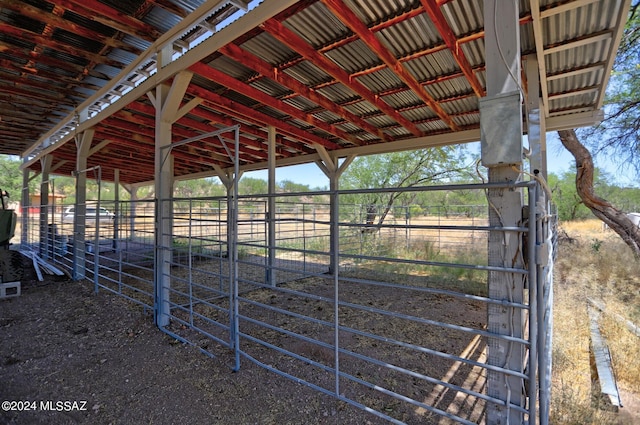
(323, 72)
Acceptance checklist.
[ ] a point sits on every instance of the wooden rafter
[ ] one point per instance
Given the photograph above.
(244, 113)
(450, 39)
(296, 43)
(185, 122)
(44, 41)
(259, 96)
(110, 17)
(351, 20)
(274, 73)
(58, 60)
(55, 20)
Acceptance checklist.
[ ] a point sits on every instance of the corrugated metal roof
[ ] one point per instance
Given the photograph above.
(354, 57)
(161, 19)
(427, 68)
(340, 95)
(407, 37)
(320, 66)
(381, 81)
(379, 10)
(136, 43)
(88, 23)
(317, 25)
(267, 48)
(307, 73)
(464, 17)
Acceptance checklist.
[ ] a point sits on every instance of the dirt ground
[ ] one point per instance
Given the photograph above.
(106, 363)
(70, 356)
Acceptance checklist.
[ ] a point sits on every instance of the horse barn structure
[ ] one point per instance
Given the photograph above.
(151, 92)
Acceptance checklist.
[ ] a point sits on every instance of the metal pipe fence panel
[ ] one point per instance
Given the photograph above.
(124, 256)
(398, 329)
(200, 270)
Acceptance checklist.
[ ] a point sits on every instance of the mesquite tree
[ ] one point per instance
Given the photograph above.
(617, 135)
(399, 170)
(614, 218)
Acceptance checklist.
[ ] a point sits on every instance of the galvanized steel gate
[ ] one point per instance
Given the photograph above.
(398, 329)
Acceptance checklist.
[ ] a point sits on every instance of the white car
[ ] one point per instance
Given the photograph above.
(104, 215)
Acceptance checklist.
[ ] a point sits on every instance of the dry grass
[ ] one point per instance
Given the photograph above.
(595, 265)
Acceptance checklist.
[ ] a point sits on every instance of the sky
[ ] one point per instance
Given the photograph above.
(559, 161)
(307, 174)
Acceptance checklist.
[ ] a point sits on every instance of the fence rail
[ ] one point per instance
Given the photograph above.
(387, 316)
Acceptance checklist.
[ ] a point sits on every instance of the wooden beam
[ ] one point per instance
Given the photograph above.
(578, 42)
(257, 64)
(451, 40)
(351, 20)
(225, 36)
(100, 12)
(38, 39)
(295, 42)
(58, 22)
(206, 127)
(262, 97)
(242, 113)
(124, 129)
(185, 131)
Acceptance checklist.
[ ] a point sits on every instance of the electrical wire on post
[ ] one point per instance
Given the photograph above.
(539, 179)
(504, 59)
(520, 172)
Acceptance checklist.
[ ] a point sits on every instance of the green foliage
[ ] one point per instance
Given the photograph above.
(402, 170)
(198, 188)
(287, 186)
(565, 196)
(569, 204)
(618, 136)
(450, 277)
(11, 177)
(252, 186)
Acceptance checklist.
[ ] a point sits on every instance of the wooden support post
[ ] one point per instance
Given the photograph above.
(26, 204)
(83, 144)
(116, 208)
(333, 170)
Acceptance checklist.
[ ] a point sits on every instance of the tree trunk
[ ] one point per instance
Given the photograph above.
(614, 218)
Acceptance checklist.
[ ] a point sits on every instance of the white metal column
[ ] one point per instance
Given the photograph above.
(536, 128)
(116, 209)
(26, 204)
(230, 178)
(45, 166)
(167, 101)
(133, 197)
(271, 208)
(83, 144)
(331, 167)
(501, 137)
